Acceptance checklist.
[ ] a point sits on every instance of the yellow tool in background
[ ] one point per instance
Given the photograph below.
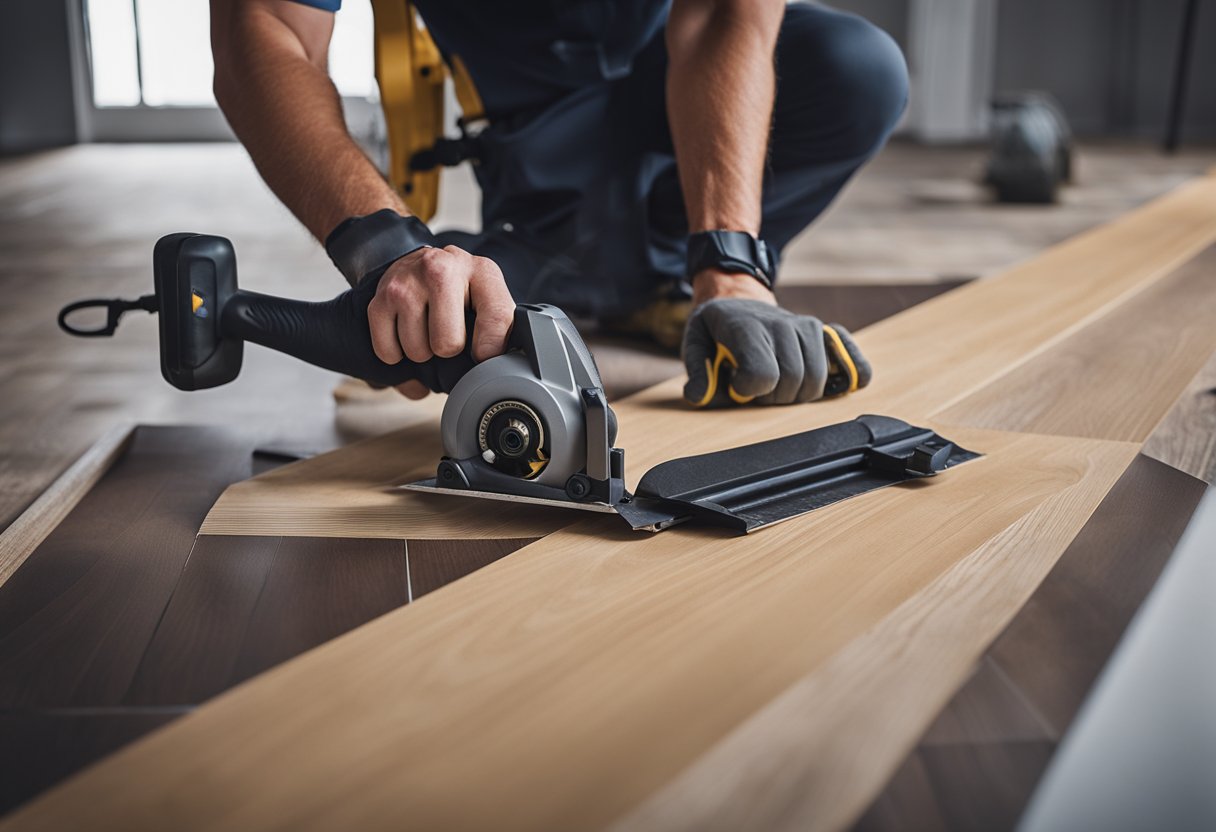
(411, 72)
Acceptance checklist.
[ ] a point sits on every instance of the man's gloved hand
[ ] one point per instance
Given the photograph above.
(421, 302)
(737, 351)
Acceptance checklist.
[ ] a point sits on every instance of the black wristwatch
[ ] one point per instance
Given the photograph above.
(360, 246)
(730, 251)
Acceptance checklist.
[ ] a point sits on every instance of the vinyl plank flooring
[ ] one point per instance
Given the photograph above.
(436, 563)
(193, 654)
(1186, 437)
(1116, 378)
(854, 306)
(1056, 647)
(988, 708)
(318, 589)
(38, 749)
(983, 787)
(908, 795)
(1033, 679)
(76, 618)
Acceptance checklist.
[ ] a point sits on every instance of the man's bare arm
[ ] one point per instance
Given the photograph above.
(720, 89)
(271, 81)
(272, 84)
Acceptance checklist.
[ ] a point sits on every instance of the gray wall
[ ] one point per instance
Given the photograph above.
(36, 104)
(1109, 62)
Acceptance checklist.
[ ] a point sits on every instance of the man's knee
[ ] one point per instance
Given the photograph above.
(841, 75)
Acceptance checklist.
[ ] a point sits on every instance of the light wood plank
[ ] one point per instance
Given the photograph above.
(1116, 378)
(571, 679)
(352, 492)
(574, 678)
(927, 358)
(44, 514)
(816, 756)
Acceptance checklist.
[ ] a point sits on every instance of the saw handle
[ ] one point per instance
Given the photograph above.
(332, 334)
(205, 321)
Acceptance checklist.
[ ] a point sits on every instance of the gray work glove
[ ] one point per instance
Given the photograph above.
(737, 351)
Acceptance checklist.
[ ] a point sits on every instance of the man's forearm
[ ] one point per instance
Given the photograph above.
(720, 88)
(284, 108)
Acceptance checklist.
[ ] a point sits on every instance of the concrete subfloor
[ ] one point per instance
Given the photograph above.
(81, 222)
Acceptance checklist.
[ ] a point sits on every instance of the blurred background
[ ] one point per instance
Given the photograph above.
(110, 138)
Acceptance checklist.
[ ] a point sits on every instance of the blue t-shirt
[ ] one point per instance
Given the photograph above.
(525, 53)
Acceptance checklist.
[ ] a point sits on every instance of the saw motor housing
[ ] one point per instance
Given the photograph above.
(534, 422)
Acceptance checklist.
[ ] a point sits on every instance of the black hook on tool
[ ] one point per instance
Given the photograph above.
(114, 310)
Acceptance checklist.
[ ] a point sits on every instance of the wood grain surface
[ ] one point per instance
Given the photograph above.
(1116, 378)
(927, 358)
(815, 756)
(976, 765)
(594, 656)
(193, 617)
(33, 525)
(352, 492)
(1186, 437)
(599, 676)
(76, 617)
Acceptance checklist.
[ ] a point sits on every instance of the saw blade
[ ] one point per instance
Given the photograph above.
(430, 487)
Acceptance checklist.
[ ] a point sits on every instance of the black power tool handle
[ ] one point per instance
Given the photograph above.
(333, 334)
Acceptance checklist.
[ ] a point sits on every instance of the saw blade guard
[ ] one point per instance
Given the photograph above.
(523, 412)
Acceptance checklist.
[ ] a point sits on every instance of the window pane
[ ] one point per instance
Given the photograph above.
(351, 51)
(112, 48)
(175, 47)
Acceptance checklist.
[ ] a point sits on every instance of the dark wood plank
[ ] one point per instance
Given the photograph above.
(908, 795)
(317, 589)
(984, 787)
(988, 708)
(978, 763)
(76, 618)
(855, 306)
(1056, 647)
(435, 563)
(193, 654)
(38, 749)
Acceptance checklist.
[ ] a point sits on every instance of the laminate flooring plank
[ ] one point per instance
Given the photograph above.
(44, 514)
(817, 755)
(41, 748)
(193, 654)
(856, 306)
(436, 563)
(350, 492)
(983, 787)
(1034, 677)
(926, 358)
(1059, 643)
(598, 656)
(326, 496)
(567, 665)
(907, 804)
(76, 618)
(988, 708)
(1186, 437)
(1116, 378)
(316, 590)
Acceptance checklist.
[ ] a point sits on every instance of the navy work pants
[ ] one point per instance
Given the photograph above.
(581, 201)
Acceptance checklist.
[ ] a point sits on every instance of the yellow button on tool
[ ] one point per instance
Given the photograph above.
(195, 302)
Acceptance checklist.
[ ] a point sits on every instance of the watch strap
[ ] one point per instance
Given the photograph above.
(359, 246)
(730, 251)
